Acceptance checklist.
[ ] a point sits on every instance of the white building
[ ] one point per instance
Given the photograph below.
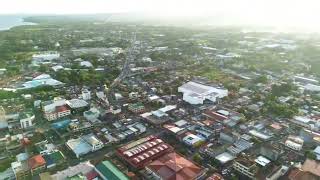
(26, 120)
(77, 103)
(192, 139)
(86, 95)
(3, 119)
(86, 64)
(57, 68)
(311, 88)
(294, 142)
(49, 55)
(94, 142)
(84, 145)
(92, 115)
(195, 93)
(55, 109)
(317, 152)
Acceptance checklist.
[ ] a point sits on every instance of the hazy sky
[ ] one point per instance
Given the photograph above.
(279, 12)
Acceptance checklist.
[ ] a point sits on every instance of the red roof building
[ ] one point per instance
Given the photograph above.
(212, 115)
(143, 151)
(297, 174)
(36, 164)
(172, 166)
(92, 175)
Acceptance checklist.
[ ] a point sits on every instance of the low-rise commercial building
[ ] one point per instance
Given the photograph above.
(107, 171)
(174, 166)
(245, 167)
(85, 144)
(143, 151)
(37, 164)
(196, 93)
(294, 142)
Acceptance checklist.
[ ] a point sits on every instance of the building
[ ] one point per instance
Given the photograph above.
(54, 159)
(277, 173)
(86, 94)
(239, 146)
(41, 80)
(143, 151)
(3, 119)
(46, 56)
(92, 115)
(62, 111)
(305, 80)
(84, 145)
(94, 142)
(224, 157)
(215, 176)
(107, 171)
(83, 168)
(136, 108)
(173, 166)
(37, 164)
(55, 109)
(294, 142)
(196, 93)
(77, 103)
(246, 167)
(270, 152)
(317, 152)
(261, 135)
(312, 167)
(44, 148)
(299, 174)
(302, 121)
(86, 64)
(192, 140)
(26, 120)
(20, 169)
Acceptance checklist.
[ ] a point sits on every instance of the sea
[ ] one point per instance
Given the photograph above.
(9, 21)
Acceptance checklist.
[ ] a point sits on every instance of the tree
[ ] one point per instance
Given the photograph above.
(311, 155)
(43, 68)
(197, 158)
(261, 79)
(282, 90)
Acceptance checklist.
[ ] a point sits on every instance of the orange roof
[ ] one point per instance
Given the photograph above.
(36, 161)
(311, 166)
(276, 126)
(215, 176)
(297, 174)
(172, 166)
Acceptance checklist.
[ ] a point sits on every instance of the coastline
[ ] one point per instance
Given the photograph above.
(17, 21)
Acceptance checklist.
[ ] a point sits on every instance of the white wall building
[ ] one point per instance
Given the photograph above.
(195, 93)
(26, 121)
(49, 55)
(192, 139)
(86, 95)
(84, 145)
(294, 143)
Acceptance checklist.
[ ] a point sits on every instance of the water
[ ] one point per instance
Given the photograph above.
(9, 21)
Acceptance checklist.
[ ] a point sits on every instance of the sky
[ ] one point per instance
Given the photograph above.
(304, 13)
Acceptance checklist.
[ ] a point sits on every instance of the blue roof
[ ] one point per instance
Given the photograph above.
(61, 124)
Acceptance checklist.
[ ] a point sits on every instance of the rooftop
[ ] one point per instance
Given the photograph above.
(142, 151)
(77, 103)
(311, 166)
(110, 171)
(36, 161)
(172, 166)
